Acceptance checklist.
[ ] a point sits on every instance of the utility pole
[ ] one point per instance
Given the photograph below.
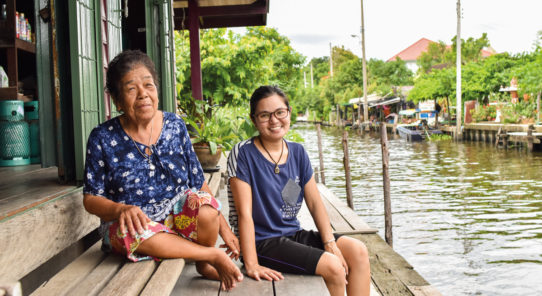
(305, 79)
(458, 75)
(312, 80)
(364, 62)
(330, 60)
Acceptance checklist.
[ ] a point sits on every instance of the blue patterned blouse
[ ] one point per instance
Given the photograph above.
(116, 170)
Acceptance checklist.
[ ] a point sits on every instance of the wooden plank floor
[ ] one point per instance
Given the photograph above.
(24, 187)
(391, 274)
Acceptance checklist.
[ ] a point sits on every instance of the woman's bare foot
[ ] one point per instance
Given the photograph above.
(223, 268)
(207, 270)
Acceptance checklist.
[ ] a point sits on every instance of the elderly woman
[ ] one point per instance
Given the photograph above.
(269, 179)
(142, 178)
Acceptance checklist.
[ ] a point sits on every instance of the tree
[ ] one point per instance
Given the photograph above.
(437, 53)
(442, 54)
(234, 65)
(529, 73)
(383, 76)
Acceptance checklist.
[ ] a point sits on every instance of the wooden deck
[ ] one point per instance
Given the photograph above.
(24, 187)
(391, 274)
(28, 196)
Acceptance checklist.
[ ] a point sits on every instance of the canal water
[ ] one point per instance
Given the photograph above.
(466, 215)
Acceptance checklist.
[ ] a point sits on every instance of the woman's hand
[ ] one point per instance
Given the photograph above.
(133, 219)
(258, 272)
(231, 242)
(334, 249)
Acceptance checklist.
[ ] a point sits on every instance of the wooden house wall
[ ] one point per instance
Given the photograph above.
(74, 47)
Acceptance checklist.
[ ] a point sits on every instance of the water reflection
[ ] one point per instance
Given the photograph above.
(467, 216)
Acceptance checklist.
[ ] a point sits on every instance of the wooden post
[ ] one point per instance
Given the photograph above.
(195, 58)
(498, 137)
(530, 129)
(338, 115)
(386, 178)
(346, 162)
(395, 119)
(316, 170)
(320, 154)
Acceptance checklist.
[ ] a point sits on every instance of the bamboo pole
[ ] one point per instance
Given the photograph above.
(386, 178)
(320, 154)
(346, 162)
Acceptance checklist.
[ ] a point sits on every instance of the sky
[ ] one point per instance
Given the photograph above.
(393, 25)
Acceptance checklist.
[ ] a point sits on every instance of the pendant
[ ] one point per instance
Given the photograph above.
(151, 166)
(277, 170)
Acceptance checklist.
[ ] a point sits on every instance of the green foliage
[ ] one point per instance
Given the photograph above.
(436, 84)
(213, 131)
(481, 80)
(234, 65)
(392, 73)
(529, 74)
(439, 137)
(521, 112)
(484, 113)
(471, 49)
(439, 53)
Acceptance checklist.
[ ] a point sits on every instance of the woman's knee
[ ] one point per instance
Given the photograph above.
(354, 251)
(331, 269)
(207, 215)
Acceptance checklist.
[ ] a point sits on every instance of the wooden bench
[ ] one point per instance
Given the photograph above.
(191, 283)
(95, 273)
(48, 237)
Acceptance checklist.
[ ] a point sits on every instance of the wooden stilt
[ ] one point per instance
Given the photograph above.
(498, 137)
(320, 154)
(346, 162)
(530, 137)
(386, 179)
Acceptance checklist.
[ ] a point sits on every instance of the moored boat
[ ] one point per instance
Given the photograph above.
(413, 133)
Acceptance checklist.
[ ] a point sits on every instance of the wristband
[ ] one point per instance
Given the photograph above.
(329, 241)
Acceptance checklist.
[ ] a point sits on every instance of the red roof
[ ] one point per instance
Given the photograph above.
(486, 52)
(412, 52)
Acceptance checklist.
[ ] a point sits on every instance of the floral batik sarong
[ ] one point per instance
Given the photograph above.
(182, 221)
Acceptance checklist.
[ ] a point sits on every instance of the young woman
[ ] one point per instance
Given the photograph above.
(269, 178)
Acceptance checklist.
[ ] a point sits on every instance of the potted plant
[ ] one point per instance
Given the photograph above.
(210, 134)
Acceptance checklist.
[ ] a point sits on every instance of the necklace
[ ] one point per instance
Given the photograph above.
(277, 170)
(145, 155)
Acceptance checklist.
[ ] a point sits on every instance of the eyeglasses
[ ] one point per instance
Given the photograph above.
(264, 116)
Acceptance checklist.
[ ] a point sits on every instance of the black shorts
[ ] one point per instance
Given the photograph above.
(297, 254)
